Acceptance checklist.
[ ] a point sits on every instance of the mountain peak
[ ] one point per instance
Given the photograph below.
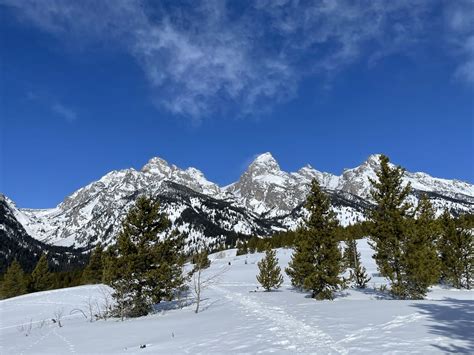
(265, 161)
(156, 165)
(372, 162)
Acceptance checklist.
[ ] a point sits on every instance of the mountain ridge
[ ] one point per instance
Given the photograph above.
(265, 199)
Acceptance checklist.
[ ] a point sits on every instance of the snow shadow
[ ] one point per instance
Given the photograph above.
(375, 293)
(451, 318)
(170, 305)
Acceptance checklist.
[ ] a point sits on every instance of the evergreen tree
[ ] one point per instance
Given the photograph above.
(420, 257)
(350, 253)
(201, 260)
(316, 261)
(92, 274)
(242, 248)
(456, 247)
(14, 281)
(270, 273)
(252, 244)
(389, 227)
(41, 278)
(108, 264)
(303, 259)
(358, 273)
(144, 269)
(404, 245)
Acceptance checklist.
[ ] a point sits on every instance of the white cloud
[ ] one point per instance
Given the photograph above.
(459, 16)
(65, 112)
(208, 56)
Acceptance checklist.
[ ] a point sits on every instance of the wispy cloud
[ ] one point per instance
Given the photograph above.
(459, 16)
(200, 57)
(65, 112)
(51, 103)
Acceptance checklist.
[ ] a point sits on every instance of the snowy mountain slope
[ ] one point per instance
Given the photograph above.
(265, 199)
(356, 181)
(234, 319)
(265, 188)
(16, 243)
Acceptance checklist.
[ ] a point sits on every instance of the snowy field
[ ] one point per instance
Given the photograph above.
(236, 320)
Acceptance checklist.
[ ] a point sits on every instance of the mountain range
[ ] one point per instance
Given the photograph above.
(263, 201)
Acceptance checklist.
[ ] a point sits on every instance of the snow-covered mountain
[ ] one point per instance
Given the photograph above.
(265, 199)
(265, 189)
(17, 244)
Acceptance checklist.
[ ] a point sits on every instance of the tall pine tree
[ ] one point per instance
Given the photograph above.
(92, 274)
(41, 278)
(456, 247)
(316, 261)
(142, 268)
(404, 246)
(389, 227)
(420, 256)
(14, 281)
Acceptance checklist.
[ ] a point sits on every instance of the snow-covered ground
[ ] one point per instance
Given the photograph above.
(234, 319)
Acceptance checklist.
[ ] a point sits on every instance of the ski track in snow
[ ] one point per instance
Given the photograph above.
(69, 345)
(397, 322)
(295, 335)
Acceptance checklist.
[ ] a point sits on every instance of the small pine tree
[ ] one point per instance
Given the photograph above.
(270, 273)
(92, 274)
(41, 278)
(358, 273)
(316, 261)
(14, 281)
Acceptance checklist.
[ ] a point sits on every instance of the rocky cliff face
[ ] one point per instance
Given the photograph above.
(265, 199)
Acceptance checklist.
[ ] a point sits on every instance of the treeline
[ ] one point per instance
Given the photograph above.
(288, 239)
(17, 282)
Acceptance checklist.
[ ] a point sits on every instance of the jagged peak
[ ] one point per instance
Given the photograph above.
(373, 159)
(265, 160)
(156, 164)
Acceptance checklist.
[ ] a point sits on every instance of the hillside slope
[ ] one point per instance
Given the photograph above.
(234, 319)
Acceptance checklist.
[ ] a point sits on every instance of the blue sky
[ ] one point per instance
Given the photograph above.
(88, 87)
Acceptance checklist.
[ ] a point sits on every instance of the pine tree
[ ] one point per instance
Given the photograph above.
(350, 253)
(389, 227)
(270, 273)
(303, 259)
(201, 260)
(358, 273)
(242, 248)
(316, 261)
(144, 269)
(456, 247)
(14, 281)
(420, 257)
(41, 278)
(92, 274)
